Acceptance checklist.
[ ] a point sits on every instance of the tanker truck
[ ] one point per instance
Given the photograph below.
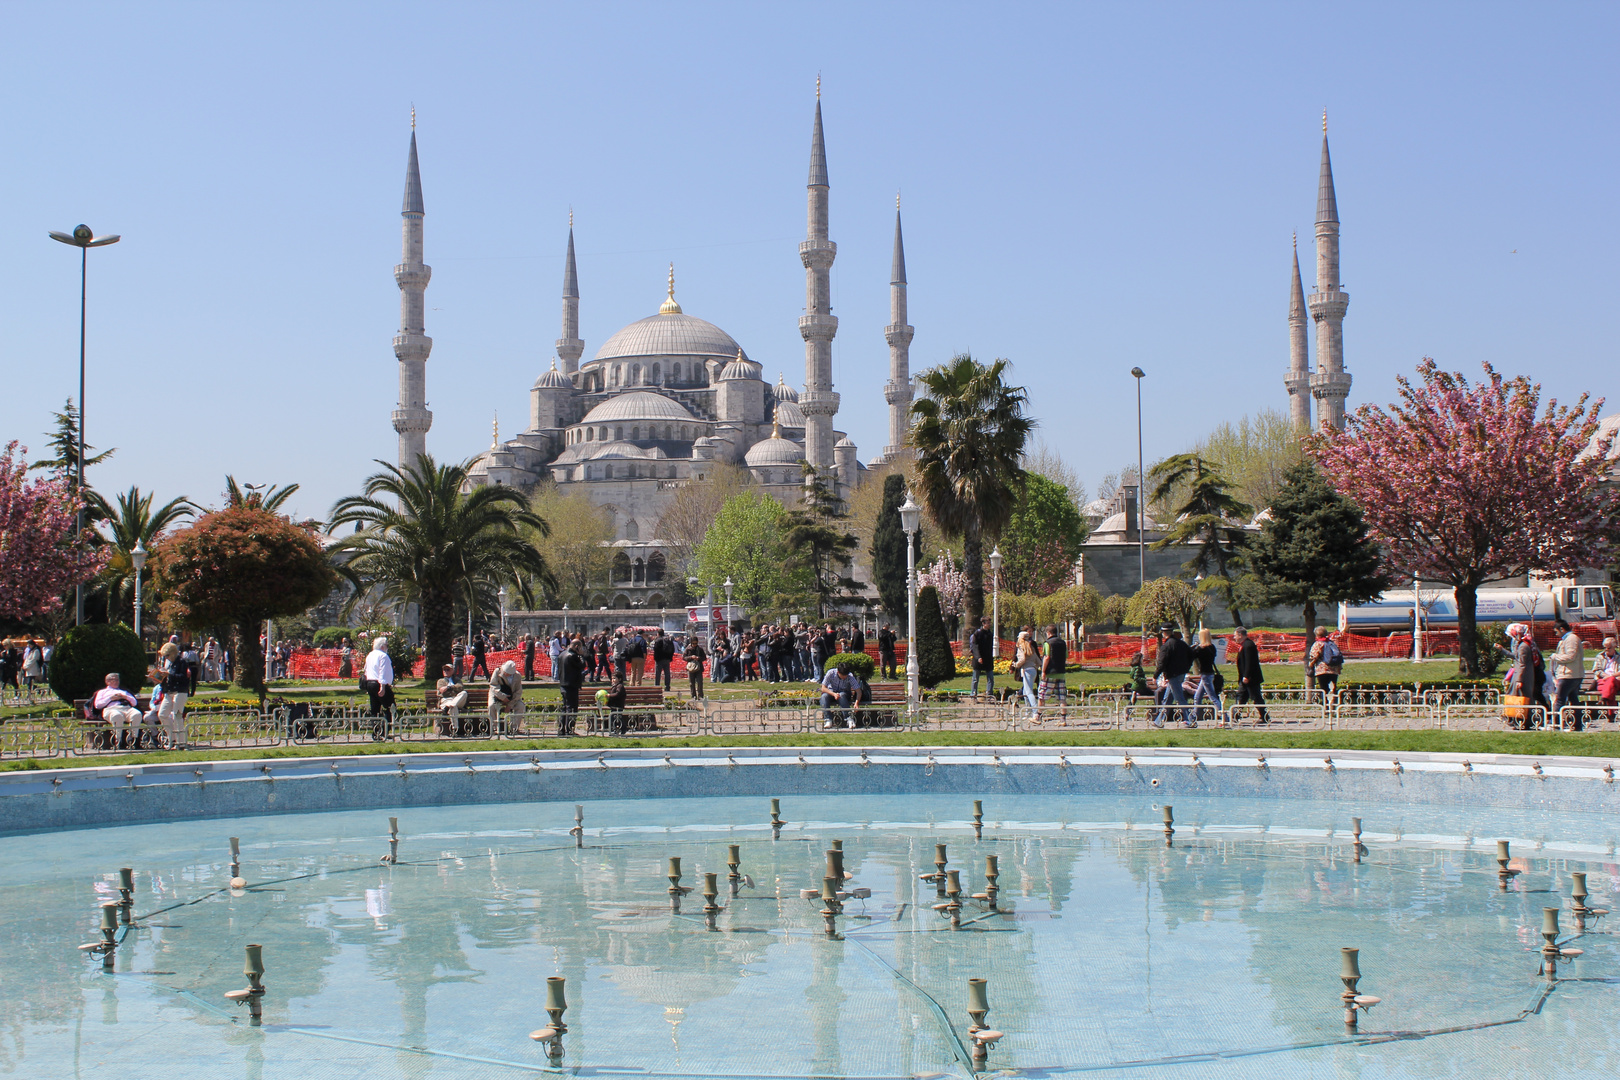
(1392, 612)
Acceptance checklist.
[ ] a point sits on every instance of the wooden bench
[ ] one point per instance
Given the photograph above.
(474, 719)
(98, 734)
(638, 701)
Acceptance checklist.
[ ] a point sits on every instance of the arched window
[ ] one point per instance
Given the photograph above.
(655, 567)
(632, 531)
(674, 374)
(601, 435)
(621, 567)
(658, 374)
(638, 572)
(616, 368)
(635, 374)
(618, 433)
(656, 600)
(621, 602)
(590, 434)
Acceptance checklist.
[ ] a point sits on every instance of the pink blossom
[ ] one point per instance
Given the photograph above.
(39, 557)
(949, 581)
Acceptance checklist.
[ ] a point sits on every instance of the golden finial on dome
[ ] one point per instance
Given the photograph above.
(776, 429)
(1296, 240)
(669, 306)
(413, 116)
(570, 219)
(818, 86)
(495, 433)
(1324, 121)
(897, 199)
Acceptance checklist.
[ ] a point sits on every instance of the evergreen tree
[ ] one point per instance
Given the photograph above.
(889, 549)
(814, 544)
(935, 664)
(1315, 547)
(1209, 516)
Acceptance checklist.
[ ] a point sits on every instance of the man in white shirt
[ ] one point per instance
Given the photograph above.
(117, 707)
(379, 683)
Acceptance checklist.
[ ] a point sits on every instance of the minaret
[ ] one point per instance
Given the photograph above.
(569, 346)
(897, 391)
(818, 324)
(1331, 383)
(1298, 379)
(411, 345)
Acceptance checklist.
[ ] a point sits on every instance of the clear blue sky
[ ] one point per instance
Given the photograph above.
(1087, 187)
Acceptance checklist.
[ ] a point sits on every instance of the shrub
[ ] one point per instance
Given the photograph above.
(1488, 638)
(86, 654)
(859, 663)
(935, 664)
(331, 637)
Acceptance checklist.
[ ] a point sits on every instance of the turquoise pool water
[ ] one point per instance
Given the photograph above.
(1112, 953)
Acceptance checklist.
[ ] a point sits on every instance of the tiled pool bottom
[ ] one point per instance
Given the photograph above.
(1216, 957)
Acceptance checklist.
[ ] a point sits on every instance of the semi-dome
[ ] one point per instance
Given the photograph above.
(626, 450)
(673, 334)
(782, 391)
(553, 380)
(774, 451)
(638, 405)
(789, 415)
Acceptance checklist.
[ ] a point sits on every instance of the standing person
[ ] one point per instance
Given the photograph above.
(748, 655)
(663, 653)
(480, 655)
(1326, 662)
(458, 656)
(621, 654)
(1175, 660)
(885, 644)
(638, 657)
(694, 657)
(452, 699)
(554, 651)
(1250, 675)
(528, 658)
(378, 683)
(1054, 662)
(1569, 668)
(1027, 663)
(33, 664)
(801, 646)
(1204, 667)
(857, 639)
(46, 653)
(1524, 679)
(982, 648)
(193, 662)
(345, 659)
(506, 695)
(176, 683)
(570, 676)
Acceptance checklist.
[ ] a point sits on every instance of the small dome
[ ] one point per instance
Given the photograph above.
(1116, 523)
(783, 391)
(774, 451)
(789, 415)
(553, 380)
(741, 368)
(638, 405)
(844, 444)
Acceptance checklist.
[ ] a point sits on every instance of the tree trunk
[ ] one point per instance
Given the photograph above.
(973, 571)
(1468, 658)
(1310, 622)
(250, 658)
(438, 611)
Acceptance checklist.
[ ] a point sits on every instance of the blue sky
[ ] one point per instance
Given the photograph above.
(1087, 187)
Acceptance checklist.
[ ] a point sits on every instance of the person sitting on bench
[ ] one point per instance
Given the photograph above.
(452, 699)
(505, 693)
(117, 708)
(843, 689)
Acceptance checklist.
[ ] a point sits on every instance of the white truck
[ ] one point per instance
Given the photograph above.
(1392, 612)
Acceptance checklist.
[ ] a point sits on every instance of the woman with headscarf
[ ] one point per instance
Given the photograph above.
(1606, 673)
(506, 692)
(1526, 676)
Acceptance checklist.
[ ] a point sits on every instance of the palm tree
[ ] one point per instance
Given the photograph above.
(1209, 516)
(968, 433)
(270, 498)
(131, 521)
(423, 539)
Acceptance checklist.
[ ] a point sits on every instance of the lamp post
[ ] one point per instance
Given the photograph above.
(727, 587)
(500, 595)
(1417, 620)
(565, 620)
(138, 557)
(84, 239)
(910, 518)
(1141, 486)
(995, 605)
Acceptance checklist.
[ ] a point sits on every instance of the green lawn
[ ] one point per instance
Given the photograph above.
(1599, 745)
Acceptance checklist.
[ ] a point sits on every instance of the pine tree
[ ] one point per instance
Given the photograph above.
(935, 664)
(1315, 547)
(889, 548)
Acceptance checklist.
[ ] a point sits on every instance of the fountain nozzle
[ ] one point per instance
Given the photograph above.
(556, 1005)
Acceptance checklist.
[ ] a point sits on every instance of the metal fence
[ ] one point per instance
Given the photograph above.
(337, 726)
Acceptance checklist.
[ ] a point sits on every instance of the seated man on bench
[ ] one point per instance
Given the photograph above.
(452, 699)
(505, 692)
(842, 688)
(117, 708)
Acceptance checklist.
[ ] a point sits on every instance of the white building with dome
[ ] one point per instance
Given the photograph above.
(664, 399)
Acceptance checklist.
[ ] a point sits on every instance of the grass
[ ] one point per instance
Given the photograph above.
(1598, 744)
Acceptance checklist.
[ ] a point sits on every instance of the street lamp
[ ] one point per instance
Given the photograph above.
(910, 518)
(727, 587)
(1141, 488)
(138, 557)
(500, 594)
(995, 605)
(565, 620)
(83, 239)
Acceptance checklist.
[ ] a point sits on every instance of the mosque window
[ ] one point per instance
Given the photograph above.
(655, 567)
(657, 374)
(621, 567)
(635, 374)
(674, 374)
(638, 572)
(618, 433)
(590, 434)
(615, 374)
(635, 433)
(632, 531)
(601, 435)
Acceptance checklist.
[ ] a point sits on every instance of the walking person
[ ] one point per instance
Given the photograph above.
(885, 642)
(1027, 663)
(1569, 669)
(378, 683)
(33, 664)
(982, 649)
(1326, 662)
(1175, 660)
(480, 655)
(570, 676)
(345, 658)
(176, 685)
(1209, 675)
(694, 657)
(528, 658)
(554, 651)
(663, 654)
(1054, 662)
(1250, 675)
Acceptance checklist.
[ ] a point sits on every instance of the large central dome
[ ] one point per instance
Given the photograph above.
(672, 334)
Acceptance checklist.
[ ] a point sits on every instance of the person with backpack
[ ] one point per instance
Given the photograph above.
(1175, 660)
(1326, 662)
(1054, 662)
(663, 654)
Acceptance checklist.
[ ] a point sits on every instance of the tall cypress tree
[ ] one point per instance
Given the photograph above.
(935, 664)
(889, 549)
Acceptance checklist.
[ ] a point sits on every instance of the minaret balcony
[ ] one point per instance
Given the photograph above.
(413, 275)
(898, 333)
(1330, 384)
(412, 346)
(818, 402)
(818, 327)
(412, 420)
(898, 391)
(1329, 304)
(1297, 382)
(818, 254)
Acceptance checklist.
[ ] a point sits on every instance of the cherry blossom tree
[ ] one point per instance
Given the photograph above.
(40, 558)
(1468, 482)
(950, 582)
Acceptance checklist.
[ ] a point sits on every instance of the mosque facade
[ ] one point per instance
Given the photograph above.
(664, 400)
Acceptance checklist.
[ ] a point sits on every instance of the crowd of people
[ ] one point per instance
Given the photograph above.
(25, 663)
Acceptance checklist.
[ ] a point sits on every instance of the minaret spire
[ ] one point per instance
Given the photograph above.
(1331, 383)
(818, 325)
(412, 345)
(1298, 379)
(897, 391)
(569, 346)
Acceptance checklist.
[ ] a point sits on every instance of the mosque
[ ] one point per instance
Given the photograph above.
(665, 399)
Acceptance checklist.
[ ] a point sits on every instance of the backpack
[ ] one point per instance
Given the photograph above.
(1331, 656)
